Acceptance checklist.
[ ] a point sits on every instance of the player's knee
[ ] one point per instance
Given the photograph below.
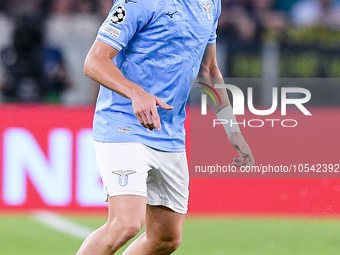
(130, 231)
(169, 244)
(126, 230)
(175, 243)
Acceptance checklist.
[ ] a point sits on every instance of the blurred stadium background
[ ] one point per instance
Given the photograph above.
(51, 194)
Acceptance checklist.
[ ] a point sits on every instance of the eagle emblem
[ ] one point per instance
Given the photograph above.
(123, 176)
(207, 8)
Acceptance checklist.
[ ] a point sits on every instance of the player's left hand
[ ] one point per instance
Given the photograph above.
(245, 155)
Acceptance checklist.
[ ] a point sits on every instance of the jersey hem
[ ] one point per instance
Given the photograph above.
(127, 192)
(168, 204)
(163, 148)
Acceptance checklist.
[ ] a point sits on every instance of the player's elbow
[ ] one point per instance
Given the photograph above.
(214, 70)
(207, 70)
(204, 72)
(89, 66)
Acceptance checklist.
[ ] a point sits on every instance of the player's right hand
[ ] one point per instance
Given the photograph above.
(145, 109)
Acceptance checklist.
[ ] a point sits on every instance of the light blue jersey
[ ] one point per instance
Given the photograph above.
(161, 44)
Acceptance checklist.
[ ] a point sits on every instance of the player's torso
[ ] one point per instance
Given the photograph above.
(166, 53)
(176, 25)
(161, 57)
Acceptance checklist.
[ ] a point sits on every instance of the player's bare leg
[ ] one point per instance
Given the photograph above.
(163, 232)
(125, 219)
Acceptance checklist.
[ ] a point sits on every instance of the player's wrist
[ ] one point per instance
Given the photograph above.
(135, 92)
(228, 120)
(235, 137)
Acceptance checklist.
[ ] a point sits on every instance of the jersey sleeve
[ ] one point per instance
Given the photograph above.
(213, 36)
(125, 19)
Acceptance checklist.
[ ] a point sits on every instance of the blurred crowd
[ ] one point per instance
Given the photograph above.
(245, 21)
(43, 43)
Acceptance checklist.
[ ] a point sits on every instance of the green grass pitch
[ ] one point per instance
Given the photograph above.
(21, 235)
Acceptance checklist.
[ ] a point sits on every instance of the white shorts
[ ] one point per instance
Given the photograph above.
(136, 169)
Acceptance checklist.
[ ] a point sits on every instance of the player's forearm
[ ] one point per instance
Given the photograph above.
(213, 72)
(209, 70)
(105, 72)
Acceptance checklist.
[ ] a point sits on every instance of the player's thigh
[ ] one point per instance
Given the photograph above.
(162, 223)
(168, 185)
(123, 168)
(127, 210)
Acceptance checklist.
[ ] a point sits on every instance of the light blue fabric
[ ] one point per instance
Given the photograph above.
(161, 44)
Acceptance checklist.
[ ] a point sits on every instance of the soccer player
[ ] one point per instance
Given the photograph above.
(144, 55)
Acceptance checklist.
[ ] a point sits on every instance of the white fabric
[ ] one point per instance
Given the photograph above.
(226, 114)
(135, 169)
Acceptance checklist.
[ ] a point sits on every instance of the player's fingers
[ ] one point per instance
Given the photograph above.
(150, 127)
(156, 119)
(236, 159)
(148, 120)
(142, 119)
(237, 162)
(139, 118)
(250, 161)
(162, 104)
(244, 161)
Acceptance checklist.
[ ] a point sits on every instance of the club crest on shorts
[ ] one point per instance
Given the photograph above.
(123, 176)
(118, 15)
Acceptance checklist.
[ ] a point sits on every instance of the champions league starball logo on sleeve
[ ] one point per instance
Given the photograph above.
(118, 15)
(239, 104)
